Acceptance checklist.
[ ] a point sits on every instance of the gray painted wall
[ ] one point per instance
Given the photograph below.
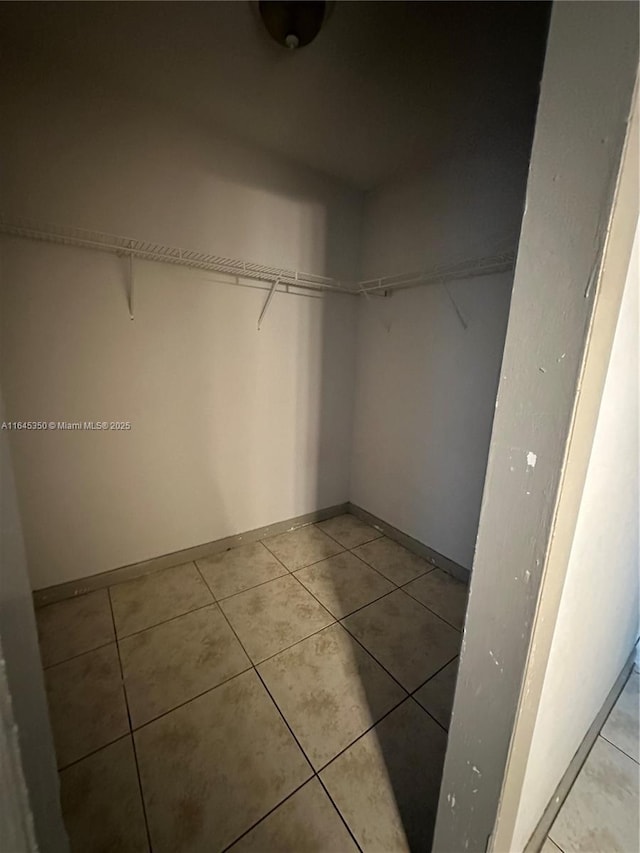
(597, 622)
(425, 384)
(585, 102)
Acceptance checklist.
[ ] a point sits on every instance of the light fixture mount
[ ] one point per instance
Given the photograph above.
(293, 23)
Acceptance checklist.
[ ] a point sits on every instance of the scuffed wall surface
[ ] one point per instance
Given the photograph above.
(597, 621)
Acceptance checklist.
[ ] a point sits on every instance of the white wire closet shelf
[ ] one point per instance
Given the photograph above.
(471, 268)
(148, 251)
(276, 277)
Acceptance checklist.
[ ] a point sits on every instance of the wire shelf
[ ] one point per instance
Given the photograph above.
(147, 251)
(471, 268)
(280, 278)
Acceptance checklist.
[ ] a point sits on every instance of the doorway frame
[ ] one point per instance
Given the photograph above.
(577, 231)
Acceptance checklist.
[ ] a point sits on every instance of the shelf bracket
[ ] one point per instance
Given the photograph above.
(272, 290)
(459, 314)
(131, 289)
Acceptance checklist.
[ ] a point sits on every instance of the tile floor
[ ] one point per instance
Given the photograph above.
(286, 695)
(600, 814)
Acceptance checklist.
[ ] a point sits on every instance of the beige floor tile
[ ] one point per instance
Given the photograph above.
(622, 725)
(239, 568)
(306, 823)
(443, 594)
(86, 703)
(600, 815)
(273, 616)
(386, 785)
(408, 640)
(74, 626)
(394, 561)
(349, 530)
(301, 547)
(171, 663)
(154, 598)
(101, 802)
(330, 691)
(215, 766)
(436, 696)
(549, 847)
(343, 583)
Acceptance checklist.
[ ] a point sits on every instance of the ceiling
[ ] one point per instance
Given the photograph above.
(386, 87)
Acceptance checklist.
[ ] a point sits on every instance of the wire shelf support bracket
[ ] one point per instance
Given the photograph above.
(265, 307)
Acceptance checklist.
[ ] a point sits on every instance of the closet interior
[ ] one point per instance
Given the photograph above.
(249, 433)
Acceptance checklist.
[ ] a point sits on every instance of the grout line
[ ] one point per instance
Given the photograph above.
(430, 715)
(233, 630)
(340, 815)
(382, 575)
(315, 562)
(97, 581)
(353, 551)
(339, 622)
(367, 731)
(133, 743)
(286, 648)
(165, 621)
(252, 665)
(351, 612)
(275, 557)
(308, 591)
(426, 606)
(215, 602)
(333, 538)
(255, 586)
(295, 739)
(315, 774)
(265, 816)
(437, 672)
(375, 659)
(410, 693)
(205, 581)
(79, 655)
(286, 722)
(346, 547)
(93, 752)
(191, 698)
(380, 572)
(297, 642)
(369, 652)
(615, 746)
